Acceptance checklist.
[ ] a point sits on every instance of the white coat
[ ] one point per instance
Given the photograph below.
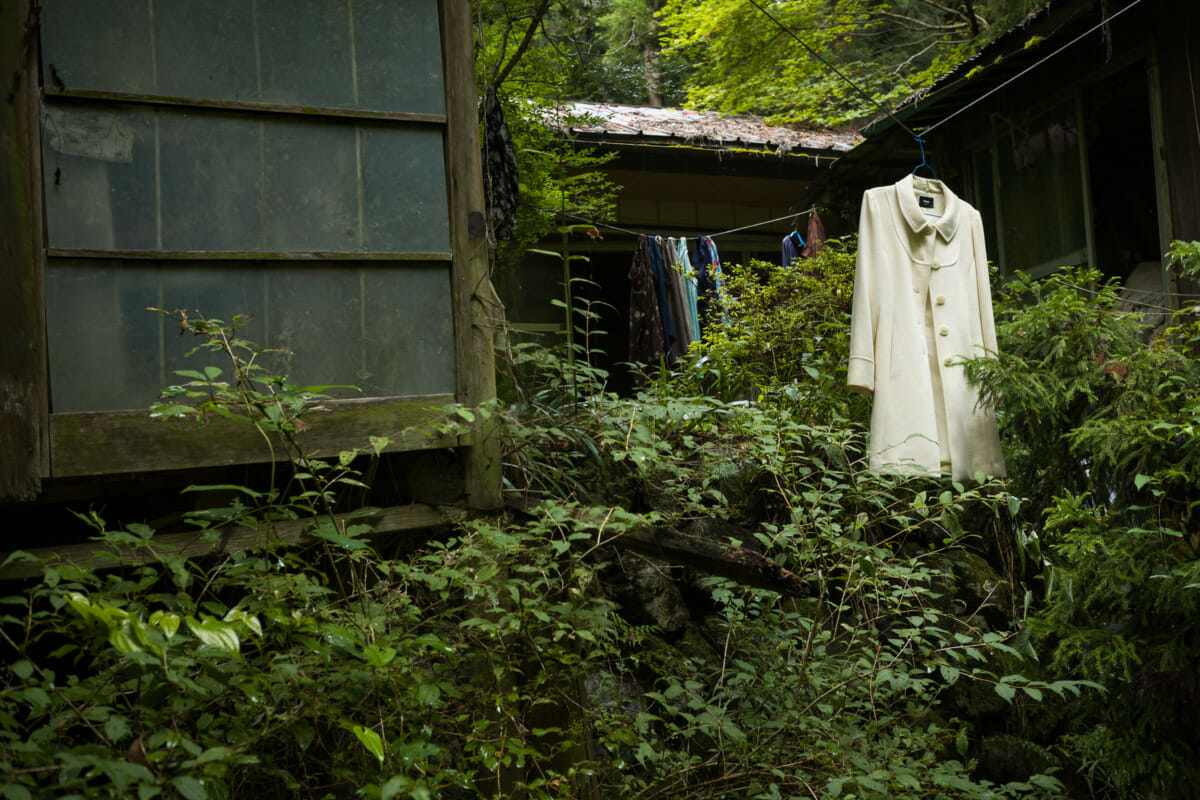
(921, 302)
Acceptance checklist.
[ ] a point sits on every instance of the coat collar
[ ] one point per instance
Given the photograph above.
(906, 197)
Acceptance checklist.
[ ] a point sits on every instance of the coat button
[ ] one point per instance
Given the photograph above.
(941, 300)
(936, 265)
(948, 362)
(943, 331)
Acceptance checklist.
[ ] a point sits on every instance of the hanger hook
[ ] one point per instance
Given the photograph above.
(921, 143)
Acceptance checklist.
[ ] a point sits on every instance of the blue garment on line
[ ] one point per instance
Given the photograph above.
(792, 248)
(710, 282)
(660, 289)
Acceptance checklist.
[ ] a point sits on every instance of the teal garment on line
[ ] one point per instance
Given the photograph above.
(691, 296)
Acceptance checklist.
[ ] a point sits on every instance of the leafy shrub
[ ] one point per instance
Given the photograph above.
(1100, 415)
(785, 337)
(494, 659)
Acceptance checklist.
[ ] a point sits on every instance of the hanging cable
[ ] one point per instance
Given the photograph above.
(765, 222)
(586, 221)
(834, 69)
(1023, 72)
(918, 138)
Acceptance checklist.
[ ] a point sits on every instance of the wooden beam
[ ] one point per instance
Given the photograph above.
(705, 553)
(476, 306)
(23, 385)
(384, 521)
(235, 255)
(716, 558)
(247, 105)
(108, 442)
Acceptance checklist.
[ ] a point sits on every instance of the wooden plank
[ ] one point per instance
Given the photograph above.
(246, 105)
(22, 357)
(716, 558)
(384, 521)
(476, 307)
(109, 442)
(233, 255)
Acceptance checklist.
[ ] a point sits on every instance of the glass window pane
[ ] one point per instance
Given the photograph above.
(97, 44)
(404, 189)
(381, 55)
(1041, 192)
(205, 49)
(398, 48)
(310, 200)
(384, 327)
(135, 178)
(98, 165)
(211, 177)
(306, 53)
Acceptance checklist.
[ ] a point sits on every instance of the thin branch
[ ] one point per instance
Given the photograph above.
(538, 13)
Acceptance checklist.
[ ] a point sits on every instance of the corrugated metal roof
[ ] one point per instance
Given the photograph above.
(701, 128)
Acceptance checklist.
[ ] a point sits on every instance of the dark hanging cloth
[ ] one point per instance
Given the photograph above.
(790, 249)
(500, 168)
(647, 342)
(816, 236)
(708, 281)
(659, 266)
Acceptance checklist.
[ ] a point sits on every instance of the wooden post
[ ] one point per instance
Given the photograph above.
(475, 302)
(23, 405)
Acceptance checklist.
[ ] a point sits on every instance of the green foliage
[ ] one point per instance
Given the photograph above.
(494, 660)
(745, 62)
(1100, 416)
(784, 337)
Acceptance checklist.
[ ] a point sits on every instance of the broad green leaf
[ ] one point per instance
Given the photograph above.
(165, 621)
(394, 786)
(370, 740)
(191, 788)
(1006, 691)
(215, 633)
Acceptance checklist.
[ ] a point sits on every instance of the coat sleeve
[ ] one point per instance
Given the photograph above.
(864, 313)
(983, 287)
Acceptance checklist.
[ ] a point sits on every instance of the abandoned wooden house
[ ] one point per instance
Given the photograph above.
(681, 173)
(192, 156)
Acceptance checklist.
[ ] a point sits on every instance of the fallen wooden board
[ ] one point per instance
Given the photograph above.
(97, 555)
(717, 558)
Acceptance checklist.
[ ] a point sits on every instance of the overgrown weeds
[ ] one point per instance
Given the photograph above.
(498, 659)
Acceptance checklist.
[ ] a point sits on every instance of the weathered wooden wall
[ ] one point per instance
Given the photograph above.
(1179, 69)
(22, 362)
(37, 445)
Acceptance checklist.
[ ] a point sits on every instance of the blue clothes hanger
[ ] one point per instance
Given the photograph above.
(796, 231)
(924, 163)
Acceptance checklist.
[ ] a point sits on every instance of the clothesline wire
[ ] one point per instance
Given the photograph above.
(834, 69)
(711, 235)
(1027, 70)
(764, 222)
(918, 137)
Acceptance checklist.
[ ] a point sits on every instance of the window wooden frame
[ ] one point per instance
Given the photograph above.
(36, 445)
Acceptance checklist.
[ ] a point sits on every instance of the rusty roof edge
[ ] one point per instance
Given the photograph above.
(731, 145)
(604, 121)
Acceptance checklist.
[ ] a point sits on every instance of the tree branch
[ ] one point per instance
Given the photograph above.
(507, 69)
